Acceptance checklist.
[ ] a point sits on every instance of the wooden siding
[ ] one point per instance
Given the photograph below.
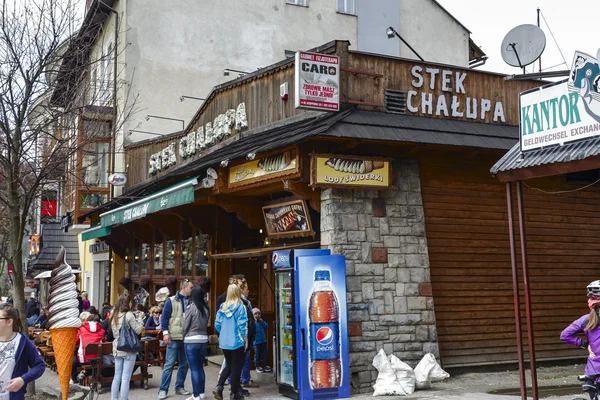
(467, 234)
(396, 75)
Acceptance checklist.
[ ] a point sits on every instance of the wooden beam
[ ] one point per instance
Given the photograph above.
(541, 171)
(304, 192)
(247, 209)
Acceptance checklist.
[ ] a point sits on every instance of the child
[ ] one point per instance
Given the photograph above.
(260, 343)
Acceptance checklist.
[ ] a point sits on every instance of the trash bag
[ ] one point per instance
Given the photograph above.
(405, 375)
(387, 383)
(427, 371)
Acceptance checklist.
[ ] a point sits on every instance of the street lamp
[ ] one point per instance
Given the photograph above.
(391, 32)
(226, 72)
(167, 118)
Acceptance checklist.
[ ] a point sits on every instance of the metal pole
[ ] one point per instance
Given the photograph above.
(515, 276)
(538, 22)
(534, 386)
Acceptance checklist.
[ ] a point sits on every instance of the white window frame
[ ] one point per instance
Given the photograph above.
(301, 3)
(345, 6)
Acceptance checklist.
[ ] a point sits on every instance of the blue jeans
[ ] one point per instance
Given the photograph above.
(123, 370)
(195, 353)
(246, 368)
(261, 355)
(175, 352)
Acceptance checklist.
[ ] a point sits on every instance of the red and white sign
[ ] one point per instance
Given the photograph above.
(317, 81)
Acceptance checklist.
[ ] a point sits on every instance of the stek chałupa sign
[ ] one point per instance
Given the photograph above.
(317, 81)
(565, 111)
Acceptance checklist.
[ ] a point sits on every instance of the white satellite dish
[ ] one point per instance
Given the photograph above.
(523, 45)
(211, 173)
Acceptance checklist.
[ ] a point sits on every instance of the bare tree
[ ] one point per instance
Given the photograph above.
(44, 45)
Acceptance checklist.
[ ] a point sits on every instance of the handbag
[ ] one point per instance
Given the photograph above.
(128, 340)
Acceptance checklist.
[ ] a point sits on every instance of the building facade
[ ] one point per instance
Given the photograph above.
(427, 260)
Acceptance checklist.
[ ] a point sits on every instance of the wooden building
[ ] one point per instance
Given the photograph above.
(397, 180)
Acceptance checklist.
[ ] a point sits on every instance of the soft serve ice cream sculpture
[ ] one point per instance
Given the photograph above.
(63, 318)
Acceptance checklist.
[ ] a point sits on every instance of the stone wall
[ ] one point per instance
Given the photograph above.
(390, 304)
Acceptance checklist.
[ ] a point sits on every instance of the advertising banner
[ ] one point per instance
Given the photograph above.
(337, 170)
(324, 367)
(263, 168)
(565, 111)
(317, 81)
(287, 219)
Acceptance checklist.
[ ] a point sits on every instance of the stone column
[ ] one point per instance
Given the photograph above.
(390, 303)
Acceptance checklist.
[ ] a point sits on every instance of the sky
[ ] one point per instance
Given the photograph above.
(575, 27)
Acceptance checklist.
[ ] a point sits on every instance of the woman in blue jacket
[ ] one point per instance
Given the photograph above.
(17, 356)
(232, 324)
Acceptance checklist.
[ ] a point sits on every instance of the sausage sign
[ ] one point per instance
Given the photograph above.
(317, 81)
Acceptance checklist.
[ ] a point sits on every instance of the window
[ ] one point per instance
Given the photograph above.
(145, 264)
(94, 164)
(170, 256)
(92, 200)
(158, 261)
(136, 258)
(303, 3)
(346, 6)
(186, 257)
(201, 262)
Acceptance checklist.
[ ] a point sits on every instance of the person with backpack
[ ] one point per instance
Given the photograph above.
(124, 361)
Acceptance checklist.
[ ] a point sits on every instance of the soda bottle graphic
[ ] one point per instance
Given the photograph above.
(324, 327)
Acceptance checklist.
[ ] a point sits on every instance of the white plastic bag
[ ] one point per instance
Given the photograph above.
(405, 375)
(390, 369)
(427, 371)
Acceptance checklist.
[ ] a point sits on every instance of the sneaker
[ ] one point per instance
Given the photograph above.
(182, 391)
(192, 398)
(218, 393)
(268, 369)
(259, 370)
(202, 396)
(250, 384)
(162, 395)
(244, 392)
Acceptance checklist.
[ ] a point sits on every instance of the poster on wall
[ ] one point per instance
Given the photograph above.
(288, 219)
(349, 171)
(262, 168)
(317, 81)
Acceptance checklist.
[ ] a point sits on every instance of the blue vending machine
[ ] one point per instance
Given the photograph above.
(311, 324)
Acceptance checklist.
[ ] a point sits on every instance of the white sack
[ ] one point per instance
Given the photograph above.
(427, 371)
(405, 375)
(387, 383)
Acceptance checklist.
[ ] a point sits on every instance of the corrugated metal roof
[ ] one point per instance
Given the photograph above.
(52, 238)
(574, 151)
(407, 128)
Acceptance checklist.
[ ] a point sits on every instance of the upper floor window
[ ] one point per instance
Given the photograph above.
(346, 6)
(298, 2)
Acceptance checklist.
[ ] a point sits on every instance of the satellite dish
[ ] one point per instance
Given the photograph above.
(523, 45)
(212, 173)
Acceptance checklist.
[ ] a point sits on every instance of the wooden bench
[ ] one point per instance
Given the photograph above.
(96, 379)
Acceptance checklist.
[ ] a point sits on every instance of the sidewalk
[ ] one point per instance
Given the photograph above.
(471, 386)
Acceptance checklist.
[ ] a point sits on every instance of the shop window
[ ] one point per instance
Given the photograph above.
(158, 259)
(92, 200)
(95, 159)
(127, 263)
(136, 258)
(201, 255)
(145, 264)
(170, 256)
(186, 257)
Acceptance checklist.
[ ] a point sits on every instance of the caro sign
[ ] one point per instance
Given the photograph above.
(565, 111)
(317, 81)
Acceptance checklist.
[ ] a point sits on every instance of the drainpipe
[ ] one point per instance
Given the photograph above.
(114, 122)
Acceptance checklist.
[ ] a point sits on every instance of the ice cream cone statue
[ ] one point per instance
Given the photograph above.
(63, 318)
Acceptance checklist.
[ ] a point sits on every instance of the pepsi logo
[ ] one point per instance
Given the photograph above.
(324, 336)
(275, 257)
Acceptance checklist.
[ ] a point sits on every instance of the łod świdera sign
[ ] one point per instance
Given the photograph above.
(265, 167)
(339, 170)
(287, 219)
(565, 111)
(317, 81)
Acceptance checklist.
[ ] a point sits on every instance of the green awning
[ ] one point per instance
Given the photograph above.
(174, 196)
(95, 232)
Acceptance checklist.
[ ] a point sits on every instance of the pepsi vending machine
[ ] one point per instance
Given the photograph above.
(311, 324)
